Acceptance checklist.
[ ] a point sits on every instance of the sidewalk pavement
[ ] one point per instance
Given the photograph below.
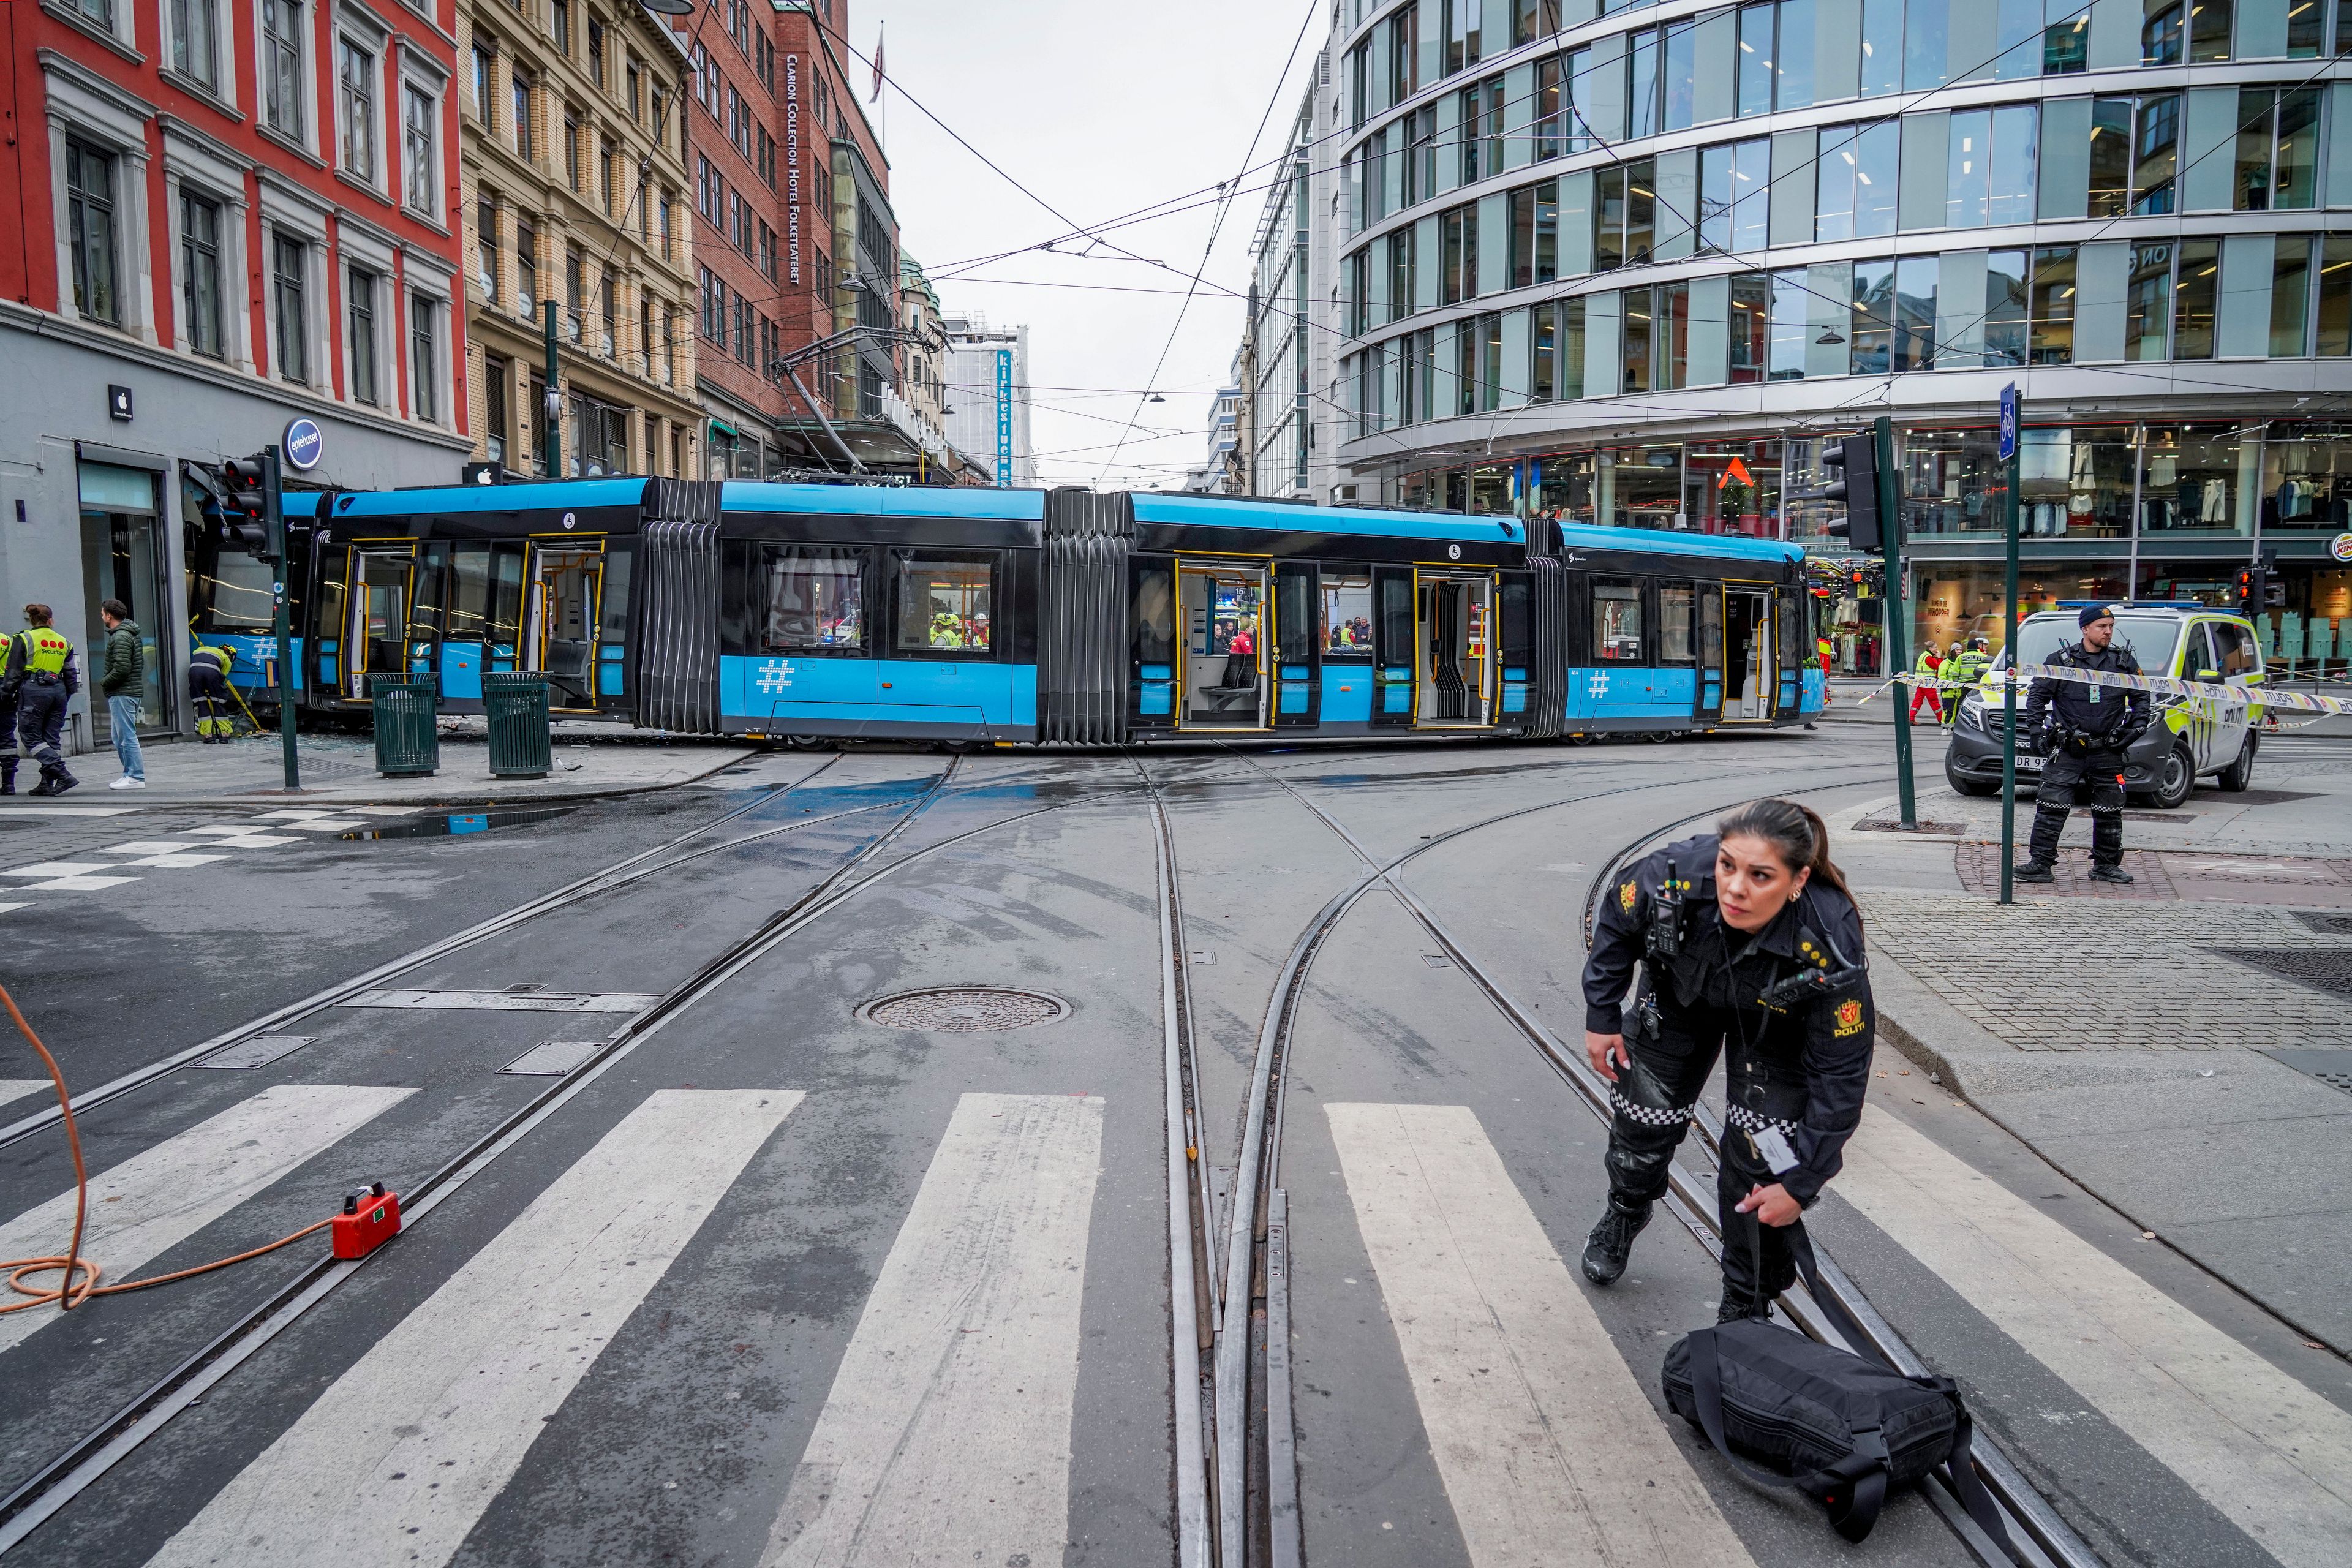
(2161, 1044)
(591, 760)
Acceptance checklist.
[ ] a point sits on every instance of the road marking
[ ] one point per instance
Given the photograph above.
(253, 841)
(947, 1435)
(505, 1001)
(5, 908)
(149, 847)
(66, 810)
(159, 1197)
(73, 885)
(18, 1088)
(2256, 1444)
(1550, 1450)
(176, 861)
(395, 1462)
(60, 868)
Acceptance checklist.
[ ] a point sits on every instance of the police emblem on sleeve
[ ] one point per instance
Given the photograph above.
(1849, 1017)
(1625, 898)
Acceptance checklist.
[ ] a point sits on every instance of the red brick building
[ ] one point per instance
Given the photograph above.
(796, 241)
(228, 214)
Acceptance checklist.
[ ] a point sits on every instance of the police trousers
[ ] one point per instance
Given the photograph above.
(41, 722)
(1653, 1104)
(2065, 777)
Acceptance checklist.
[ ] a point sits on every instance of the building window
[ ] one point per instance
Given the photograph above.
(498, 374)
(2289, 296)
(359, 289)
(571, 149)
(575, 292)
(200, 273)
(485, 248)
(2148, 302)
(2008, 309)
(1624, 215)
(421, 166)
(90, 227)
(522, 117)
(597, 54)
(2051, 322)
(424, 357)
(1534, 233)
(608, 296)
(607, 176)
(282, 67)
(355, 107)
(1855, 192)
(1734, 179)
(2157, 156)
(559, 22)
(1990, 168)
(482, 78)
(288, 259)
(195, 51)
(1751, 315)
(634, 82)
(526, 249)
(1460, 230)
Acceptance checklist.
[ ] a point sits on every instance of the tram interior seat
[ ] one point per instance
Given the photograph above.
(567, 658)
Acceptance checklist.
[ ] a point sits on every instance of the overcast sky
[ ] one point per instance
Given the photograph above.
(1101, 109)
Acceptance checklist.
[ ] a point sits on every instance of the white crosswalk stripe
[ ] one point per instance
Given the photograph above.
(1549, 1450)
(162, 1196)
(18, 1088)
(2263, 1449)
(398, 1458)
(946, 1437)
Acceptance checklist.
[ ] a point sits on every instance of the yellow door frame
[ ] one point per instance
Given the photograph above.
(1435, 571)
(536, 547)
(355, 665)
(1205, 566)
(1723, 590)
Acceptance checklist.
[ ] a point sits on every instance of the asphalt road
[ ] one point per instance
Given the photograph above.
(772, 1282)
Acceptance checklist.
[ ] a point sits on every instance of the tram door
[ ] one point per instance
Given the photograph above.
(1709, 599)
(1223, 612)
(381, 580)
(1457, 613)
(566, 582)
(1748, 661)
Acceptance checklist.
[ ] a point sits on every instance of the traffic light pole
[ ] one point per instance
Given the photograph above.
(1899, 661)
(274, 518)
(2012, 479)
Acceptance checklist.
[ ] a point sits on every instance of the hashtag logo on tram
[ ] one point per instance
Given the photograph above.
(1600, 686)
(775, 676)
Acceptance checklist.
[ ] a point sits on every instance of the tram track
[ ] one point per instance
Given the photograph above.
(2038, 1536)
(65, 1476)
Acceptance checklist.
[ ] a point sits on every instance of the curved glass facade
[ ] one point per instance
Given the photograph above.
(1631, 264)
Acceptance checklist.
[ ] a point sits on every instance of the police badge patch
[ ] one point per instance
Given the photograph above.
(1625, 898)
(1849, 1017)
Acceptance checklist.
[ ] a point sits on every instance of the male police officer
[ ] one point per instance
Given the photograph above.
(1966, 668)
(2085, 729)
(42, 667)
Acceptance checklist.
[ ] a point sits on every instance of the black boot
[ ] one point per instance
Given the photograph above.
(1611, 1241)
(1732, 1309)
(2032, 871)
(8, 775)
(2111, 874)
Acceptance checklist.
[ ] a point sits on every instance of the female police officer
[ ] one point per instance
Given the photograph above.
(1751, 942)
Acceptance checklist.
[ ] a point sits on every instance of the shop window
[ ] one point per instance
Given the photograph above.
(1616, 620)
(944, 601)
(816, 598)
(2077, 481)
(1950, 481)
(1732, 488)
(2307, 478)
(2190, 479)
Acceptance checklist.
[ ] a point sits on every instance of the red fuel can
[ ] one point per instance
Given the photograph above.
(371, 1217)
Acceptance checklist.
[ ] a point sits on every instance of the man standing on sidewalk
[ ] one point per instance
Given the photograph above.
(121, 677)
(2085, 729)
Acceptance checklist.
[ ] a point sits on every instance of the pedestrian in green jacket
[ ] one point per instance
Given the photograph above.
(121, 677)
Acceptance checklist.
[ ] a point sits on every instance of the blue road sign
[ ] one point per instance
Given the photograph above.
(304, 443)
(2009, 422)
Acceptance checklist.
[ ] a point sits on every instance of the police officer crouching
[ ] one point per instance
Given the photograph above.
(1751, 947)
(2084, 730)
(42, 669)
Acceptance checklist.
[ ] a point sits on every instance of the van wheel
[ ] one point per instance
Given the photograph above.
(2175, 778)
(2240, 774)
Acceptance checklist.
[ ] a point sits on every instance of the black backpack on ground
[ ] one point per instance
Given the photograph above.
(1838, 1426)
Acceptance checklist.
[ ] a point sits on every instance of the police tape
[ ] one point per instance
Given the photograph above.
(2212, 691)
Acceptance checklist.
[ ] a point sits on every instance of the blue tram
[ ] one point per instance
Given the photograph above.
(812, 610)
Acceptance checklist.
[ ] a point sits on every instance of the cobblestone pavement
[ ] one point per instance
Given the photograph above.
(2161, 875)
(2056, 974)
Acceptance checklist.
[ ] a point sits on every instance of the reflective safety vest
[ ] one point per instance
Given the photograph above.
(45, 651)
(220, 657)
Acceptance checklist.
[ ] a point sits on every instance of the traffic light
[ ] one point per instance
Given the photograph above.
(245, 517)
(1852, 467)
(2274, 587)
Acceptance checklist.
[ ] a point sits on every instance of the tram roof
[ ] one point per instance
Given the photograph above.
(1656, 542)
(1209, 511)
(563, 494)
(885, 501)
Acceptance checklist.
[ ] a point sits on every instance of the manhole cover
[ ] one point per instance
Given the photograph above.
(2322, 968)
(2331, 925)
(964, 1010)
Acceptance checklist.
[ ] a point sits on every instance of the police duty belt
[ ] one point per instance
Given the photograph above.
(2212, 691)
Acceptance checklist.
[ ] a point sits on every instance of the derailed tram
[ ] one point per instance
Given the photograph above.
(816, 611)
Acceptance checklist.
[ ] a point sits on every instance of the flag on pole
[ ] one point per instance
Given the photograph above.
(878, 65)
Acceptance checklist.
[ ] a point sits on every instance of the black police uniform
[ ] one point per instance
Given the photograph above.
(2084, 730)
(1797, 1067)
(11, 682)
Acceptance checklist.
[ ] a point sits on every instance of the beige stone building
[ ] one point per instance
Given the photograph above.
(573, 178)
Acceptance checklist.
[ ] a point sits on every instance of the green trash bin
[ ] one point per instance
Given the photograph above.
(520, 743)
(407, 724)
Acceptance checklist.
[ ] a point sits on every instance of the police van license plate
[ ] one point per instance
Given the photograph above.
(2027, 764)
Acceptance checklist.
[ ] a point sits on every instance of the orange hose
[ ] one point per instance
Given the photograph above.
(71, 1265)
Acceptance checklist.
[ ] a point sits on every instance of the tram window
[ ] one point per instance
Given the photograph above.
(424, 608)
(1396, 617)
(944, 603)
(1675, 622)
(1155, 615)
(1296, 627)
(235, 593)
(1346, 615)
(486, 601)
(1616, 620)
(613, 610)
(816, 598)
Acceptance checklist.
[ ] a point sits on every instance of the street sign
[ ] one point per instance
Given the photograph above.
(2009, 422)
(304, 444)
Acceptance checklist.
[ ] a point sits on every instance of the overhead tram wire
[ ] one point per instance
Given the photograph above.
(1282, 80)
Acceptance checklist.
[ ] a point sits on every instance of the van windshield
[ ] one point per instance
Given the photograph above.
(2151, 638)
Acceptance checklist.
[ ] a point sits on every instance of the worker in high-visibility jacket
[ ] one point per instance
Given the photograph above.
(46, 673)
(1923, 689)
(1965, 670)
(208, 668)
(9, 687)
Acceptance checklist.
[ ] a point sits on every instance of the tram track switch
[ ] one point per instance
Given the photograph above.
(371, 1217)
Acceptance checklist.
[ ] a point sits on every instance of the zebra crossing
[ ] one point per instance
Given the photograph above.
(96, 869)
(945, 1431)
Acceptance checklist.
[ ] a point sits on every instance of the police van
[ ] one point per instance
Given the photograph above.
(2191, 737)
